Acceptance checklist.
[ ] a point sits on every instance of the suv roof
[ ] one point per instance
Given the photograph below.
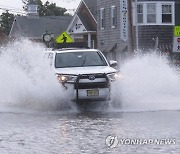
(75, 50)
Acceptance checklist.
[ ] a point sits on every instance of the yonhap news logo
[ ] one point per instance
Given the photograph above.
(113, 141)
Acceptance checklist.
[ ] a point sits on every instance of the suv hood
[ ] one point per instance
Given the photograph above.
(85, 70)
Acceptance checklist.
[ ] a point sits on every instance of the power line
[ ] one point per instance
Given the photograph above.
(19, 11)
(50, 17)
(11, 9)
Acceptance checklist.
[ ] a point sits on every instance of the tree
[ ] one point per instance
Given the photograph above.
(6, 22)
(48, 9)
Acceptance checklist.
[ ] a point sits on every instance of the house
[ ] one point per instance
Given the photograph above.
(155, 24)
(34, 26)
(83, 26)
(126, 25)
(113, 31)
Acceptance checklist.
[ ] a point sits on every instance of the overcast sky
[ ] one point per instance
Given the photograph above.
(17, 4)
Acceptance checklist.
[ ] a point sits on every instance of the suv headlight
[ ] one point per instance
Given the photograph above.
(114, 76)
(66, 78)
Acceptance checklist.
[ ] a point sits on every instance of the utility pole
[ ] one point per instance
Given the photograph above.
(131, 27)
(136, 22)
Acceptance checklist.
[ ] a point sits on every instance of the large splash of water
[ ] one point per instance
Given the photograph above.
(149, 84)
(26, 79)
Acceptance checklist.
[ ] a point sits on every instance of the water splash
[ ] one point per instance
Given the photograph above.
(26, 80)
(149, 84)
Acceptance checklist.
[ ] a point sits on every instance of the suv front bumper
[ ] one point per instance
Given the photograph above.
(87, 89)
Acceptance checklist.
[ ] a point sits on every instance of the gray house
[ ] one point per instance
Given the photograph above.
(124, 25)
(158, 26)
(113, 31)
(155, 23)
(33, 27)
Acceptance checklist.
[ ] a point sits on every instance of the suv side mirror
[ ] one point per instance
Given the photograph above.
(113, 63)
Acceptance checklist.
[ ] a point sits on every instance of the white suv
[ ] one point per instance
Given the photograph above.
(84, 71)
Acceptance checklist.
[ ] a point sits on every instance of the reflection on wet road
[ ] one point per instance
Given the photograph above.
(86, 132)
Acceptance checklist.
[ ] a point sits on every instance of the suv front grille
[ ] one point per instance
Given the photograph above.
(86, 76)
(80, 84)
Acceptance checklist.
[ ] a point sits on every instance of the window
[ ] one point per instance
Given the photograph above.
(102, 18)
(113, 16)
(140, 13)
(151, 13)
(166, 14)
(154, 13)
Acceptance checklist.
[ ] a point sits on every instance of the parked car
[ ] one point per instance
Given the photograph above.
(84, 71)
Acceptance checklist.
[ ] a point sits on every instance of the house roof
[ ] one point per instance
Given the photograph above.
(36, 27)
(92, 6)
(84, 20)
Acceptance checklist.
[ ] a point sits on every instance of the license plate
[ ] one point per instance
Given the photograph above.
(93, 92)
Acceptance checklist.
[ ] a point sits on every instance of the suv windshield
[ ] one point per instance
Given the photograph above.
(79, 59)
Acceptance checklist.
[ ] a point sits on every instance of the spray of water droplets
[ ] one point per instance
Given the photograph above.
(149, 83)
(27, 80)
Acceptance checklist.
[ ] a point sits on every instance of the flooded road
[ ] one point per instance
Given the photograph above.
(37, 117)
(86, 132)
